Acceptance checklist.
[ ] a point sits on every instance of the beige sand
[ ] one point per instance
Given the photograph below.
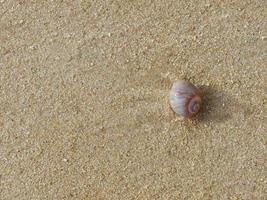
(84, 108)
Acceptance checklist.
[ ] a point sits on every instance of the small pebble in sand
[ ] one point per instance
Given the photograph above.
(184, 99)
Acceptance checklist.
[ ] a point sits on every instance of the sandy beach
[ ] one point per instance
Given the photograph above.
(84, 111)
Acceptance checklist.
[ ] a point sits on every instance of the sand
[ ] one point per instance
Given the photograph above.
(84, 110)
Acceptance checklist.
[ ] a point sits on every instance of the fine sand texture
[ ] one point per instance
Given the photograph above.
(84, 111)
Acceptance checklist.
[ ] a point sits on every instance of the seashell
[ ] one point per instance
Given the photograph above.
(185, 99)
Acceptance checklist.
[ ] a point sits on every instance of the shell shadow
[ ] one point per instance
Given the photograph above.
(216, 105)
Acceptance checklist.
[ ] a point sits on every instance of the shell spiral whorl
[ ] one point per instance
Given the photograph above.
(184, 99)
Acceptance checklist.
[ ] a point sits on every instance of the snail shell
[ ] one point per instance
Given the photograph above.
(185, 98)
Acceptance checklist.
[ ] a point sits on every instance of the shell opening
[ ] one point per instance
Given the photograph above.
(194, 105)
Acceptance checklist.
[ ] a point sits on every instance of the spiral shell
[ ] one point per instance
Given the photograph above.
(185, 99)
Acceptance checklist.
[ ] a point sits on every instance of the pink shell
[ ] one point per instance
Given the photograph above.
(184, 99)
